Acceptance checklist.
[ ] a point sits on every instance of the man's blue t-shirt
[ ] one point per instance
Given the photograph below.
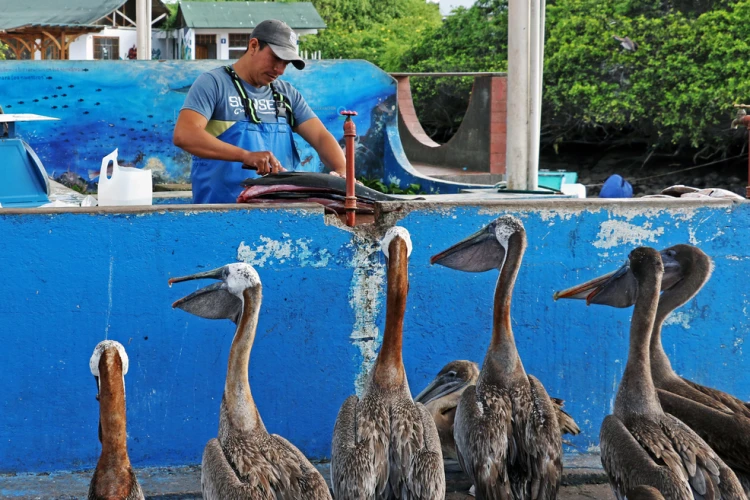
(214, 96)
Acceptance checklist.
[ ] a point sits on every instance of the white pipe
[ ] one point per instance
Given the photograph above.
(143, 28)
(536, 44)
(517, 152)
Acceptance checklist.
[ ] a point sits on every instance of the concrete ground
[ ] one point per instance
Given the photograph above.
(583, 478)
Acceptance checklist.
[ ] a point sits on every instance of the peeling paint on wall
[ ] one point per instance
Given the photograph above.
(271, 252)
(679, 318)
(365, 296)
(614, 233)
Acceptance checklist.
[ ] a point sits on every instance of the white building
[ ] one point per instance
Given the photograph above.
(72, 29)
(221, 30)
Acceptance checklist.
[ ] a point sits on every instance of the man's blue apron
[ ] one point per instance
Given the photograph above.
(217, 181)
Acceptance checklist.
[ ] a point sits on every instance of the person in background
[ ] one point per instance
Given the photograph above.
(241, 117)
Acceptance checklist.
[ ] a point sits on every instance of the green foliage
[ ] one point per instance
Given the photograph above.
(378, 31)
(3, 50)
(171, 22)
(469, 40)
(675, 90)
(392, 188)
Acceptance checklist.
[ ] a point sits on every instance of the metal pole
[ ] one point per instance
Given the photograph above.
(143, 28)
(517, 153)
(536, 65)
(350, 202)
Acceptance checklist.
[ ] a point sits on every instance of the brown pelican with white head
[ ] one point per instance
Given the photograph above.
(114, 477)
(384, 445)
(442, 395)
(721, 419)
(245, 462)
(506, 431)
(641, 445)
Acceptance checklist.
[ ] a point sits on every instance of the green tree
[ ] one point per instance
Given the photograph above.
(378, 31)
(469, 40)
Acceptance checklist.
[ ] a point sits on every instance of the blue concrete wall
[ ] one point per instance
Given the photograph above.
(73, 279)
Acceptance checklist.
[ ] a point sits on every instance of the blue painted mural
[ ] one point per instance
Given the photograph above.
(133, 106)
(71, 279)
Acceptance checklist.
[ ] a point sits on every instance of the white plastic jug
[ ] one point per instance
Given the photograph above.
(127, 186)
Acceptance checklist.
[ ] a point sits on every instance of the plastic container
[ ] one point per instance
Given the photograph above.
(127, 186)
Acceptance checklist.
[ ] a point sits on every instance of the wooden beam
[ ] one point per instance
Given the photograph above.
(48, 35)
(22, 42)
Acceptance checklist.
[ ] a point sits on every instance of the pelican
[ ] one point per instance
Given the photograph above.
(245, 461)
(442, 395)
(641, 445)
(507, 436)
(721, 419)
(384, 445)
(114, 477)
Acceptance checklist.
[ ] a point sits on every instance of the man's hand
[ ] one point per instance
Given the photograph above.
(263, 161)
(336, 174)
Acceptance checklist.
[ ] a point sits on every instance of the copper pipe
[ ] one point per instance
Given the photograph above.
(350, 202)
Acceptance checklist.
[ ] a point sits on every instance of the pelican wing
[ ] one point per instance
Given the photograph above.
(310, 484)
(219, 481)
(734, 404)
(353, 467)
(628, 465)
(426, 478)
(566, 423)
(708, 468)
(727, 435)
(406, 439)
(543, 444)
(483, 435)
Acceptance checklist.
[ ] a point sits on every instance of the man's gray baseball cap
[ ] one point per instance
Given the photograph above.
(282, 40)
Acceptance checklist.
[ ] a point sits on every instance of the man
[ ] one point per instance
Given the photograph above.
(240, 117)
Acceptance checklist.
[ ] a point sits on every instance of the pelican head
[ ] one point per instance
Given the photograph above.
(484, 250)
(396, 233)
(101, 347)
(620, 288)
(453, 377)
(223, 299)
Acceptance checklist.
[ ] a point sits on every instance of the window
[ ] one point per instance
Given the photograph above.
(106, 47)
(238, 44)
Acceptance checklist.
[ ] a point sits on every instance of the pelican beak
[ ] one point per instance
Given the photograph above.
(216, 274)
(616, 289)
(583, 290)
(441, 386)
(214, 301)
(672, 270)
(213, 274)
(213, 287)
(97, 387)
(478, 253)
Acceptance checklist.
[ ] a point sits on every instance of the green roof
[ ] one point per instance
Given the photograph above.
(238, 15)
(15, 13)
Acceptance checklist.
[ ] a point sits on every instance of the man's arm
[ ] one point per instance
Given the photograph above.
(315, 133)
(190, 134)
